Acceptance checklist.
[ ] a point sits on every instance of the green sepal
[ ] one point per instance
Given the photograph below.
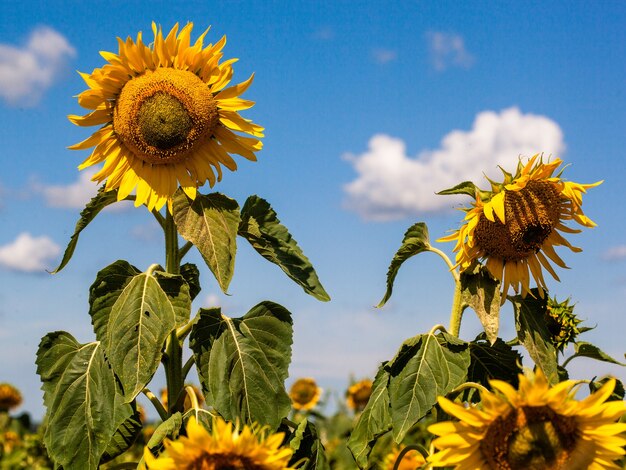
(261, 227)
(466, 187)
(415, 241)
(243, 362)
(374, 421)
(306, 444)
(92, 209)
(426, 366)
(132, 316)
(210, 222)
(84, 409)
(481, 291)
(533, 333)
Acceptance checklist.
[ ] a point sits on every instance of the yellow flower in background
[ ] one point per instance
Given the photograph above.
(187, 404)
(359, 394)
(304, 394)
(412, 460)
(535, 427)
(223, 448)
(166, 117)
(515, 228)
(10, 397)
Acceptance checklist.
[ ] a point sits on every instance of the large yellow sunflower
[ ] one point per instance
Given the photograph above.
(223, 448)
(304, 394)
(515, 226)
(166, 117)
(537, 427)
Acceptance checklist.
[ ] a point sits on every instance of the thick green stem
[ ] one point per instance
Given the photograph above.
(457, 310)
(173, 357)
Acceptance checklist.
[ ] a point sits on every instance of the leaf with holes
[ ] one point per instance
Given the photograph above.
(210, 222)
(243, 362)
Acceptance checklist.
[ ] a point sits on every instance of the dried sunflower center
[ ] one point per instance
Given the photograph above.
(531, 438)
(530, 213)
(163, 114)
(224, 462)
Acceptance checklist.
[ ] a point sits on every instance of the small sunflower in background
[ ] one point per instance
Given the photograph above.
(304, 394)
(166, 117)
(358, 395)
(412, 460)
(515, 226)
(222, 448)
(534, 427)
(10, 397)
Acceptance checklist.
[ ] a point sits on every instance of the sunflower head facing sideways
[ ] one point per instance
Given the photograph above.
(358, 395)
(536, 427)
(514, 227)
(304, 394)
(225, 447)
(167, 117)
(10, 397)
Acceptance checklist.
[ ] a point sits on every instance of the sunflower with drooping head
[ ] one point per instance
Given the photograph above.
(515, 226)
(535, 427)
(167, 117)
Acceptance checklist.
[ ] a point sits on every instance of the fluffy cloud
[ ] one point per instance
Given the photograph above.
(71, 196)
(392, 185)
(26, 72)
(384, 56)
(448, 50)
(615, 253)
(28, 253)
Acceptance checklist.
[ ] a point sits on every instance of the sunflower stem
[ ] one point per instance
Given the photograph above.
(156, 403)
(405, 451)
(173, 357)
(445, 258)
(457, 310)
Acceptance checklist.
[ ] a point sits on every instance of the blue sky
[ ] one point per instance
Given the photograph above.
(365, 105)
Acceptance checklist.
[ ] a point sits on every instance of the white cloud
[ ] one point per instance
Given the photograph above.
(392, 185)
(448, 50)
(384, 56)
(28, 253)
(26, 72)
(71, 196)
(615, 253)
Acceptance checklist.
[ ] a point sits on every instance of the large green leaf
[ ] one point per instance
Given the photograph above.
(375, 420)
(243, 362)
(415, 241)
(92, 209)
(425, 367)
(585, 349)
(493, 361)
(210, 222)
(261, 227)
(306, 444)
(132, 317)
(80, 395)
(191, 274)
(177, 290)
(129, 427)
(481, 291)
(533, 332)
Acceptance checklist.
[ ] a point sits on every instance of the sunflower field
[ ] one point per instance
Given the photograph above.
(165, 120)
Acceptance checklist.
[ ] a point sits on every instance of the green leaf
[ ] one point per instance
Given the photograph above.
(80, 395)
(584, 349)
(169, 428)
(210, 222)
(618, 391)
(243, 362)
(481, 291)
(533, 333)
(466, 187)
(98, 202)
(261, 227)
(375, 420)
(415, 241)
(129, 427)
(191, 274)
(425, 367)
(306, 444)
(493, 361)
(132, 317)
(177, 290)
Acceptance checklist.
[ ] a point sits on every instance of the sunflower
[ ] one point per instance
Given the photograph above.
(304, 394)
(225, 447)
(359, 394)
(10, 397)
(535, 427)
(516, 225)
(166, 117)
(412, 460)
